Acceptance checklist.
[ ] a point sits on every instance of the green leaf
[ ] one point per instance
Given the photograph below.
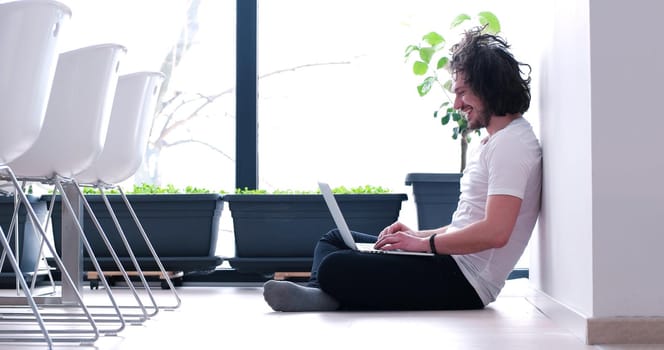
(444, 104)
(446, 119)
(448, 86)
(420, 68)
(194, 190)
(410, 49)
(426, 85)
(456, 116)
(426, 53)
(442, 62)
(463, 124)
(491, 22)
(455, 133)
(153, 189)
(246, 190)
(433, 39)
(459, 19)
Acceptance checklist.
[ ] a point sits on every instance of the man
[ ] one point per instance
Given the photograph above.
(495, 216)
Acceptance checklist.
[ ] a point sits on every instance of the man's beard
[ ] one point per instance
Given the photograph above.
(481, 121)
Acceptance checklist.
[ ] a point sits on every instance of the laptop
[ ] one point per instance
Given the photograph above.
(342, 226)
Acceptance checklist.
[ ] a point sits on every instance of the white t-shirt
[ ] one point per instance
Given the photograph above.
(509, 162)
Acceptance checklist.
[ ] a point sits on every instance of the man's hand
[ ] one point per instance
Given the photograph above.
(394, 228)
(402, 240)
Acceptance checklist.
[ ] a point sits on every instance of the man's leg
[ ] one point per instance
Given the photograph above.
(292, 297)
(289, 296)
(364, 281)
(332, 242)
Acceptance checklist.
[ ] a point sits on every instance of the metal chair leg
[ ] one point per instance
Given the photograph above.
(26, 290)
(64, 335)
(178, 301)
(79, 230)
(114, 255)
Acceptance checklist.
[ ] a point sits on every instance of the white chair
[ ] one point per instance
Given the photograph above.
(128, 131)
(136, 97)
(29, 35)
(77, 116)
(71, 138)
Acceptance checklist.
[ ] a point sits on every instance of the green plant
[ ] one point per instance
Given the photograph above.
(432, 62)
(366, 189)
(152, 189)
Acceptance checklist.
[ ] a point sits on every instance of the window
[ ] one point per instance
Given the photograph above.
(336, 100)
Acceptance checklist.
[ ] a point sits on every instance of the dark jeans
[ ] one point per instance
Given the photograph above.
(366, 281)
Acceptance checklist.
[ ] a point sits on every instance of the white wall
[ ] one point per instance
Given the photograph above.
(600, 240)
(562, 260)
(628, 165)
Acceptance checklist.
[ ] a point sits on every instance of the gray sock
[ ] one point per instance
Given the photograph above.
(292, 297)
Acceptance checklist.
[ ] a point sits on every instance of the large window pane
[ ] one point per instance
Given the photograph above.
(192, 42)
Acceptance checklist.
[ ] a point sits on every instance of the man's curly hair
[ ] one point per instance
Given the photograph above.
(492, 72)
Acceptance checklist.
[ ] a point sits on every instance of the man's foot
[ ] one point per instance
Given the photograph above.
(292, 297)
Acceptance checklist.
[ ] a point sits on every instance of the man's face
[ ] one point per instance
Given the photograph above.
(466, 101)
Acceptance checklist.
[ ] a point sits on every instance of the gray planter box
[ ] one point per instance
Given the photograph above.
(183, 229)
(436, 196)
(27, 235)
(278, 232)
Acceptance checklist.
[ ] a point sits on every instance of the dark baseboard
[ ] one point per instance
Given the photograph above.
(225, 275)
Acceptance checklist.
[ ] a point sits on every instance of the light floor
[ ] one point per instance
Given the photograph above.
(223, 316)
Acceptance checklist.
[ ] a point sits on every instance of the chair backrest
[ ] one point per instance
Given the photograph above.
(128, 131)
(77, 115)
(29, 36)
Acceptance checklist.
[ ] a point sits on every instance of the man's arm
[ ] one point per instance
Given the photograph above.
(492, 232)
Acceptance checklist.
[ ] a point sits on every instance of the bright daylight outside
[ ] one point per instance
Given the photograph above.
(337, 100)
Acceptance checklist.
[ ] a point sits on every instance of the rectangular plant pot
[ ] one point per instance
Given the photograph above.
(436, 197)
(278, 232)
(181, 227)
(28, 236)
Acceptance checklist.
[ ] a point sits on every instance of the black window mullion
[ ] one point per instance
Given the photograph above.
(246, 93)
